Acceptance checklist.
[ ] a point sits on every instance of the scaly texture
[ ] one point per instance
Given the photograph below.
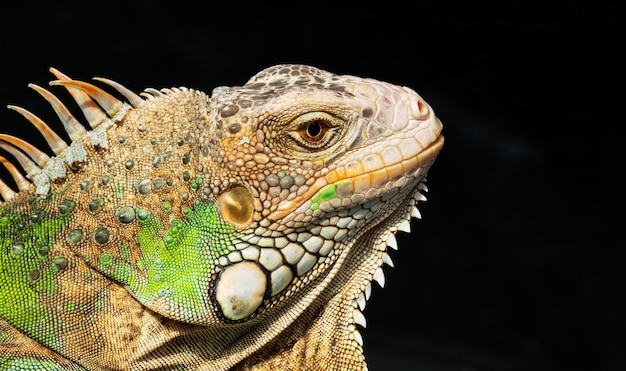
(183, 232)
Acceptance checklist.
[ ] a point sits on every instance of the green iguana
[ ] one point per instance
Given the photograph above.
(182, 231)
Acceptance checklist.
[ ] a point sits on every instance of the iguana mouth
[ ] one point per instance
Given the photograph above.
(429, 154)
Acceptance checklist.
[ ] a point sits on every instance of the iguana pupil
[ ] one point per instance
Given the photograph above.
(314, 131)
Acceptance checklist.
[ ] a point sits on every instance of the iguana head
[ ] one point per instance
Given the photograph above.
(317, 162)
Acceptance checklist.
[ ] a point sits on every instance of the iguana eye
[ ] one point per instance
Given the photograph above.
(315, 130)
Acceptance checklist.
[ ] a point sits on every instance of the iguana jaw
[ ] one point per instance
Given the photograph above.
(345, 290)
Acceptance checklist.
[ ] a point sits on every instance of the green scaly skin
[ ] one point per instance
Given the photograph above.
(184, 231)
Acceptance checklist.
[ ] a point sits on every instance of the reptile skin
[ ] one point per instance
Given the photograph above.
(180, 231)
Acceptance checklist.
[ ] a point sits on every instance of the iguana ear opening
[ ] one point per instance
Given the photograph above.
(236, 206)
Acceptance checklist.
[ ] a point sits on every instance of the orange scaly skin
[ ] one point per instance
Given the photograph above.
(184, 231)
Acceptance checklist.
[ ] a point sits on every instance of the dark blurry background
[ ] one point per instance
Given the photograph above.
(518, 261)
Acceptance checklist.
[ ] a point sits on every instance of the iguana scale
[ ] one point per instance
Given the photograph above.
(182, 231)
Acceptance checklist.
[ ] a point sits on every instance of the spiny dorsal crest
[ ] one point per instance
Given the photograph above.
(100, 109)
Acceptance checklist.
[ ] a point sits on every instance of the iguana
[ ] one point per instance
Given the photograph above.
(182, 231)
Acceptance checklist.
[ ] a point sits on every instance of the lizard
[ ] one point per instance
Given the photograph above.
(180, 230)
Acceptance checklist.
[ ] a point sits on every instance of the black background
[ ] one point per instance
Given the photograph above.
(517, 263)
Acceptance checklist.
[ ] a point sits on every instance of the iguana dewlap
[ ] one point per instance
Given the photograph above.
(182, 231)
